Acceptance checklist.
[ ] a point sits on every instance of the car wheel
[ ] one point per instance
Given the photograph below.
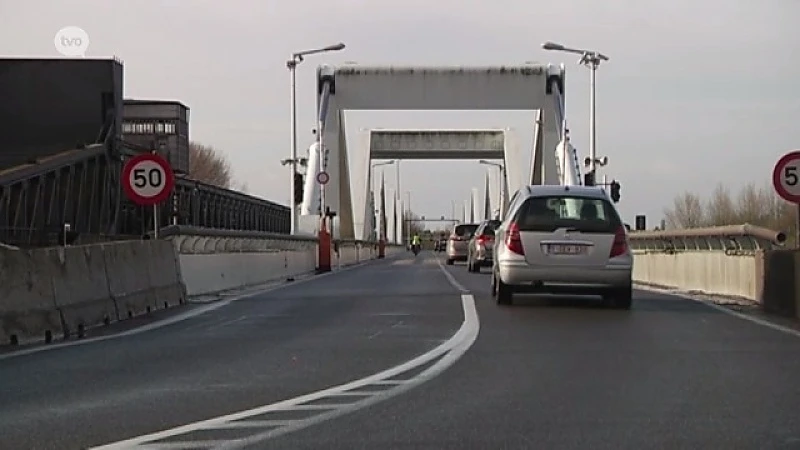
(620, 298)
(505, 295)
(449, 262)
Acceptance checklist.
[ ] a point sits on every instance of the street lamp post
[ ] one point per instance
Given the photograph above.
(399, 230)
(501, 180)
(408, 226)
(590, 59)
(291, 64)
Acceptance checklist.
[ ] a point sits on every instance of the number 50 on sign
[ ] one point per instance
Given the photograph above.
(147, 179)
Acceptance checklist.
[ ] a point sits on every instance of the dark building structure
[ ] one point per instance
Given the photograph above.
(55, 105)
(159, 125)
(63, 150)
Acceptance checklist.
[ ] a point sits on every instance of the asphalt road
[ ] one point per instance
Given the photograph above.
(546, 373)
(305, 337)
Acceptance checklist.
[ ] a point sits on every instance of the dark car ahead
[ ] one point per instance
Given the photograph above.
(481, 247)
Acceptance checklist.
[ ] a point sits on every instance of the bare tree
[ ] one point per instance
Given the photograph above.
(208, 165)
(686, 212)
(415, 224)
(753, 205)
(720, 208)
(244, 188)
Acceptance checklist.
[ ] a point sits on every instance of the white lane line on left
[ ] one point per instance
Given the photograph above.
(451, 278)
(445, 355)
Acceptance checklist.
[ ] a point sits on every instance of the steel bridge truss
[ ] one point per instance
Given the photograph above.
(80, 188)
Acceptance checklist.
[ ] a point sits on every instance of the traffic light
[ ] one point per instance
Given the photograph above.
(641, 223)
(615, 191)
(298, 188)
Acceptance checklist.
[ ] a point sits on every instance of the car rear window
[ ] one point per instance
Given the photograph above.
(588, 215)
(489, 227)
(465, 230)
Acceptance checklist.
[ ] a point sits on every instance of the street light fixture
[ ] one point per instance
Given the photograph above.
(500, 180)
(590, 59)
(291, 64)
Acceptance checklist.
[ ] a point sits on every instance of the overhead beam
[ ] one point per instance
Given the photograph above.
(437, 144)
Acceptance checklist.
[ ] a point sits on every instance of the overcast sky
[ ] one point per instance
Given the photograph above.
(696, 92)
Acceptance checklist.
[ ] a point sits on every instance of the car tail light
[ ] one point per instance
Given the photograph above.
(514, 240)
(484, 238)
(620, 245)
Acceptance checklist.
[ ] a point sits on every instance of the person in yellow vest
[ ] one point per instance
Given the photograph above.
(415, 244)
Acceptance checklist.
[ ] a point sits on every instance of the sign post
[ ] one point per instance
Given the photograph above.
(786, 181)
(148, 180)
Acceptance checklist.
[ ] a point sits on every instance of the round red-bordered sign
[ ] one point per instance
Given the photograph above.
(323, 178)
(786, 177)
(147, 179)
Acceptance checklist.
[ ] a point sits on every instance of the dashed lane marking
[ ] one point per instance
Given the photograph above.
(256, 425)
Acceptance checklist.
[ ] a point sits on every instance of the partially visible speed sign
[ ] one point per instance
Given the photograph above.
(323, 178)
(147, 179)
(786, 177)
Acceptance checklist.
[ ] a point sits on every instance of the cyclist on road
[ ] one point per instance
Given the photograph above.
(415, 243)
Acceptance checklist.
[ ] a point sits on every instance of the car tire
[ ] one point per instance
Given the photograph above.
(503, 292)
(620, 298)
(449, 262)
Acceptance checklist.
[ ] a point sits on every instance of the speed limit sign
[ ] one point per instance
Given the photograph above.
(786, 177)
(147, 179)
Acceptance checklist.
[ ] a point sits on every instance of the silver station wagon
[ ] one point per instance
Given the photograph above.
(562, 239)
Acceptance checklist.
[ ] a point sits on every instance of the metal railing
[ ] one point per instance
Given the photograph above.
(199, 240)
(731, 239)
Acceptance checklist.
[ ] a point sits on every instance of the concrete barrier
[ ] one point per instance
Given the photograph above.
(214, 273)
(711, 272)
(47, 293)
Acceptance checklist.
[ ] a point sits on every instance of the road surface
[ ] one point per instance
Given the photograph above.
(564, 374)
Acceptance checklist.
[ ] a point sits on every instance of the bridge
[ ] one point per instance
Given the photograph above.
(226, 333)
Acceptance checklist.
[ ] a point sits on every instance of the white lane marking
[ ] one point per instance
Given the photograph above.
(178, 317)
(447, 354)
(450, 277)
(188, 445)
(710, 304)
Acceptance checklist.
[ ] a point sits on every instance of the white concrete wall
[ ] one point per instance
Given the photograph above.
(212, 273)
(709, 272)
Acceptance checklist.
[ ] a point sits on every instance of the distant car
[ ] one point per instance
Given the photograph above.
(440, 245)
(458, 241)
(562, 239)
(481, 246)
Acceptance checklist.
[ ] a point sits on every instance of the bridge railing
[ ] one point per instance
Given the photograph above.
(742, 239)
(199, 240)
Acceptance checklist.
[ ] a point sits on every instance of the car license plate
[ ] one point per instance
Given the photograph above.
(566, 249)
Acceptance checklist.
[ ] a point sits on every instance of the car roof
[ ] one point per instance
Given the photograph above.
(542, 190)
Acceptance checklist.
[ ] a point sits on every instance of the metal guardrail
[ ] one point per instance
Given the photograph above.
(731, 239)
(199, 240)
